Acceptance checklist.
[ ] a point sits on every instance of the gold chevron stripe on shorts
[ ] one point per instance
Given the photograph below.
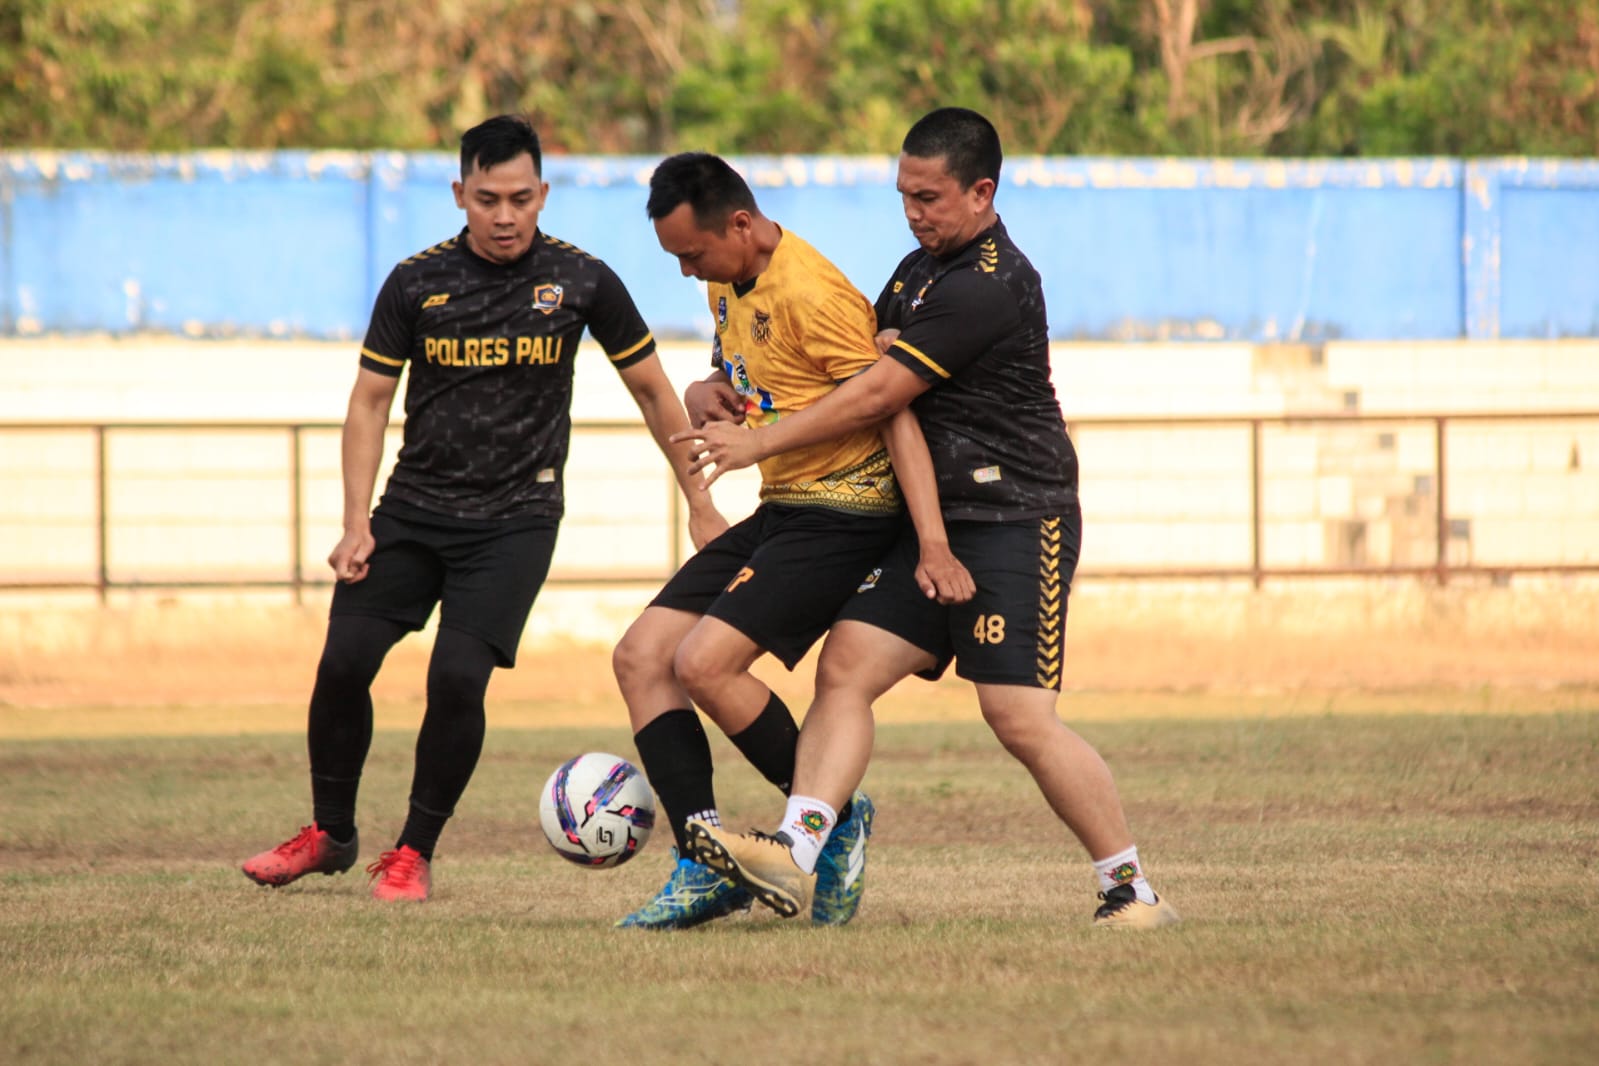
(1050, 629)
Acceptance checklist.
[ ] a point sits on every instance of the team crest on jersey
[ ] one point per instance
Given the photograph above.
(761, 327)
(919, 295)
(547, 298)
(721, 314)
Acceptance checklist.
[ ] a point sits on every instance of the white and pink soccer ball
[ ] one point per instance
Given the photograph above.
(597, 810)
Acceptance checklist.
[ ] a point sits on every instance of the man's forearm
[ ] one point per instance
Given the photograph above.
(859, 403)
(362, 454)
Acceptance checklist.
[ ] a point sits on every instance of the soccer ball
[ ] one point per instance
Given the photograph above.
(597, 810)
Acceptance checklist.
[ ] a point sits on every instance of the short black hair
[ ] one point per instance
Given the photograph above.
(706, 182)
(499, 140)
(967, 142)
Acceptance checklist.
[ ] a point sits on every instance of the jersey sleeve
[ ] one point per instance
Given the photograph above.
(836, 332)
(616, 324)
(963, 315)
(391, 331)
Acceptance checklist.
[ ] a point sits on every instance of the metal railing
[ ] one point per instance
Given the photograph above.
(1439, 567)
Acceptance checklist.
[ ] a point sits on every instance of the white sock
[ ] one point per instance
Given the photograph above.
(1122, 869)
(710, 817)
(808, 823)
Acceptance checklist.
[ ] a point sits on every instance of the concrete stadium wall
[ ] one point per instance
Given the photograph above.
(295, 244)
(189, 503)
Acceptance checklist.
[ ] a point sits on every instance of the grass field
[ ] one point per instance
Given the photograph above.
(1364, 886)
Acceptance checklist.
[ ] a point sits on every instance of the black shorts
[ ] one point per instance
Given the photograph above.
(1013, 631)
(780, 576)
(484, 577)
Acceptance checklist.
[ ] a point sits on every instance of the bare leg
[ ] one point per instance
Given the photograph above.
(858, 664)
(712, 663)
(642, 663)
(1074, 779)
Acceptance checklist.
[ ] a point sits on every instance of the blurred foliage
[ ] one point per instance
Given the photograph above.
(1189, 77)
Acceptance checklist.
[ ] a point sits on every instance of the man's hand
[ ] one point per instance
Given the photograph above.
(350, 555)
(943, 577)
(884, 339)
(724, 445)
(712, 401)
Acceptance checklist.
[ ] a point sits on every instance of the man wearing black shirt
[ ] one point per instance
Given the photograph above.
(966, 345)
(489, 322)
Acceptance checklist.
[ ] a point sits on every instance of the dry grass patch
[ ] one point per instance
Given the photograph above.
(1358, 889)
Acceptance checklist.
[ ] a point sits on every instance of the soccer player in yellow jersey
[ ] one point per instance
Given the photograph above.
(967, 347)
(789, 328)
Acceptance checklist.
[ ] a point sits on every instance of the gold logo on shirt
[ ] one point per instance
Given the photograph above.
(547, 298)
(761, 327)
(438, 299)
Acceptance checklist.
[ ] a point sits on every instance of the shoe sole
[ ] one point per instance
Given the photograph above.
(1157, 920)
(694, 921)
(708, 851)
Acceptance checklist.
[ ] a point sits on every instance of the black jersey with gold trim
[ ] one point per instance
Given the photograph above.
(490, 346)
(973, 326)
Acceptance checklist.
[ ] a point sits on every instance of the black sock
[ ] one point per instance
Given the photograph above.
(421, 832)
(770, 743)
(333, 805)
(677, 759)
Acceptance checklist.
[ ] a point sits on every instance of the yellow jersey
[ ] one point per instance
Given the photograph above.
(785, 339)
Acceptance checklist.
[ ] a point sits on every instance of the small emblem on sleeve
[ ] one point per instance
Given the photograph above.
(761, 327)
(547, 298)
(984, 474)
(545, 475)
(438, 299)
(898, 285)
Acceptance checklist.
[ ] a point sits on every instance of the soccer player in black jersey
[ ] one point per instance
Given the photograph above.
(789, 327)
(967, 347)
(489, 322)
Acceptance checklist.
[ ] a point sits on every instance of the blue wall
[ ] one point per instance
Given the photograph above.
(296, 243)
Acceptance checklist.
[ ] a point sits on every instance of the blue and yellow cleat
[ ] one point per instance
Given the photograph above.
(692, 896)
(841, 868)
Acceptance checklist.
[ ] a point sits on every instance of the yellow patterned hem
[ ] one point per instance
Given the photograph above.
(868, 487)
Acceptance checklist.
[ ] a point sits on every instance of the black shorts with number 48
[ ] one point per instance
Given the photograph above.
(1013, 631)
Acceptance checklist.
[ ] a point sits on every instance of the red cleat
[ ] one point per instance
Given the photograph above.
(401, 874)
(311, 851)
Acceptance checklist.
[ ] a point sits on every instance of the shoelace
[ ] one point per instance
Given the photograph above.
(306, 838)
(779, 838)
(399, 866)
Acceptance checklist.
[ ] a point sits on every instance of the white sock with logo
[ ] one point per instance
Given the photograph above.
(1122, 869)
(807, 824)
